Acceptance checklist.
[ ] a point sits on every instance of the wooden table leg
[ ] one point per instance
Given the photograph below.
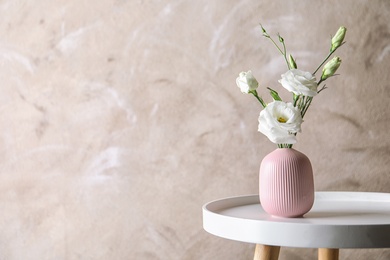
(264, 252)
(328, 254)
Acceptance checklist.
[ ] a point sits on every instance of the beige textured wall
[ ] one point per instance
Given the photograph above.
(120, 119)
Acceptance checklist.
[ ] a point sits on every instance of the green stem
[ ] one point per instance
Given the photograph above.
(324, 87)
(285, 54)
(282, 52)
(320, 81)
(285, 145)
(306, 106)
(301, 102)
(254, 92)
(295, 98)
(322, 63)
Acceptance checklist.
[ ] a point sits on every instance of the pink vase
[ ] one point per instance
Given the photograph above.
(286, 183)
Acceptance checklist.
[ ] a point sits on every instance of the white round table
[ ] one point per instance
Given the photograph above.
(337, 220)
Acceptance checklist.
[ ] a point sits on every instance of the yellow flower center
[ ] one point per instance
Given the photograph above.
(282, 120)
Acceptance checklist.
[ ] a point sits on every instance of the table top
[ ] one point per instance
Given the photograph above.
(337, 220)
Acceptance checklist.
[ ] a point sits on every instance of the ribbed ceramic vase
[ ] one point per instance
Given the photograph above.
(286, 183)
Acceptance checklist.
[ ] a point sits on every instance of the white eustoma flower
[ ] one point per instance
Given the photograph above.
(299, 82)
(246, 82)
(280, 122)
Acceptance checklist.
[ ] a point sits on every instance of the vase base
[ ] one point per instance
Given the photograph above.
(300, 216)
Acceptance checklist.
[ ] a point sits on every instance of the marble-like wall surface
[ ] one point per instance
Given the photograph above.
(120, 119)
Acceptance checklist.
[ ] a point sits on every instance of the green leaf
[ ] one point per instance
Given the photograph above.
(274, 94)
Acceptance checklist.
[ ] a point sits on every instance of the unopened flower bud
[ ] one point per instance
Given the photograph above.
(247, 82)
(338, 39)
(265, 34)
(280, 38)
(292, 62)
(330, 68)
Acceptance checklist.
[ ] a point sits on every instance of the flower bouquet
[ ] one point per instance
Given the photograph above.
(286, 177)
(280, 121)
